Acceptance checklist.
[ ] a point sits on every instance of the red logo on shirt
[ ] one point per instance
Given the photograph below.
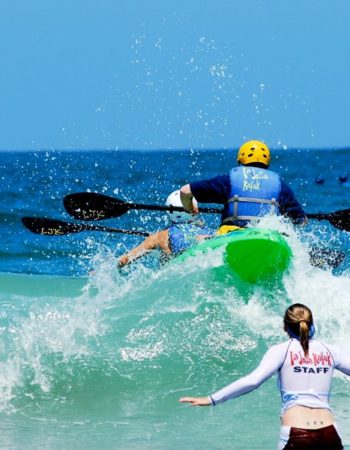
(315, 359)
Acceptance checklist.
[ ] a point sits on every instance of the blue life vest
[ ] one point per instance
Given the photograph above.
(254, 193)
(183, 236)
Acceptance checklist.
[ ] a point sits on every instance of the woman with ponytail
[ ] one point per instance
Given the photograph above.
(305, 367)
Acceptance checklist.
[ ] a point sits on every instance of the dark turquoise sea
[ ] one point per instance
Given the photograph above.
(93, 357)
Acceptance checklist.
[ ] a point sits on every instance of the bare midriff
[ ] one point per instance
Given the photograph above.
(307, 418)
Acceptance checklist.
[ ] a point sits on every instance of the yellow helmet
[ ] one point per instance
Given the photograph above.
(254, 152)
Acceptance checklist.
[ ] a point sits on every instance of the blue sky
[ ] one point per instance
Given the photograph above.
(173, 74)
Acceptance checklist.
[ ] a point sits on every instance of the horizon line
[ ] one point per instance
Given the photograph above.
(296, 148)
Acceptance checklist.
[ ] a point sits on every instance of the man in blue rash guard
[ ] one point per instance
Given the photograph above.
(186, 230)
(247, 191)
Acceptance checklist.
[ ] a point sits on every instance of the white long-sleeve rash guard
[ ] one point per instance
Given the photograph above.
(304, 381)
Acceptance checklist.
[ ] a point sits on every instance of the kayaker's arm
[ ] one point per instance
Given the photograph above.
(156, 240)
(290, 206)
(187, 199)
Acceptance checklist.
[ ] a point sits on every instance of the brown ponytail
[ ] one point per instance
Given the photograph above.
(304, 336)
(297, 322)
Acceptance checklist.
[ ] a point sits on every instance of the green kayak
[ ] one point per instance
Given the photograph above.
(254, 255)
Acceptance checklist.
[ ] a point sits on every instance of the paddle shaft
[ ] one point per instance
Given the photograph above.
(168, 208)
(86, 227)
(319, 216)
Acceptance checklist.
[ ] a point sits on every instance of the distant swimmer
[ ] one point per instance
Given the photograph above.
(305, 368)
(320, 180)
(343, 180)
(247, 192)
(185, 230)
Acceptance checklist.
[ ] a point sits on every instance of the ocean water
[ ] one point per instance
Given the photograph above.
(96, 358)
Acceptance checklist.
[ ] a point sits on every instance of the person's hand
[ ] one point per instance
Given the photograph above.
(187, 200)
(196, 401)
(123, 260)
(195, 209)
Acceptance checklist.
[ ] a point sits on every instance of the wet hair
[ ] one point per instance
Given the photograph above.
(298, 322)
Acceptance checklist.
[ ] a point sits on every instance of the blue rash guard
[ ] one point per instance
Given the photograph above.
(184, 235)
(219, 189)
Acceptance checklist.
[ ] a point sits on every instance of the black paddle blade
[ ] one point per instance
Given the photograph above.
(340, 219)
(50, 227)
(92, 206)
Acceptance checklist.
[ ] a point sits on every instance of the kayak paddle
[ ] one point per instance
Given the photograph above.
(93, 206)
(319, 257)
(51, 227)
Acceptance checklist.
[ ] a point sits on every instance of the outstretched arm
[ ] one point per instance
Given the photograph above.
(271, 362)
(157, 240)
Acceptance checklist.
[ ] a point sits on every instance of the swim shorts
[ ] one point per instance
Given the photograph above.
(326, 438)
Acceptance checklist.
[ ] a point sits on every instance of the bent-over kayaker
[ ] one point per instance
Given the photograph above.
(185, 230)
